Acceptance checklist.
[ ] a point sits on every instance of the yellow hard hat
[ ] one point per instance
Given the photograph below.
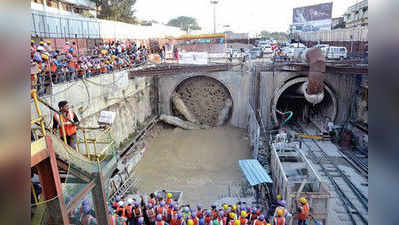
(302, 200)
(280, 212)
(237, 222)
(243, 214)
(232, 215)
(225, 206)
(44, 56)
(32, 41)
(190, 222)
(41, 42)
(113, 56)
(170, 195)
(48, 41)
(278, 197)
(234, 207)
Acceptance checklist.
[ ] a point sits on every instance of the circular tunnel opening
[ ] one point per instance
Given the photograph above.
(290, 98)
(202, 100)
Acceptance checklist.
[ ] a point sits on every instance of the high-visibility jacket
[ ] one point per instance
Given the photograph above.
(180, 222)
(121, 209)
(223, 220)
(168, 201)
(243, 221)
(195, 220)
(137, 212)
(87, 220)
(151, 215)
(68, 126)
(279, 220)
(258, 222)
(129, 211)
(152, 201)
(160, 223)
(199, 213)
(215, 214)
(162, 211)
(303, 215)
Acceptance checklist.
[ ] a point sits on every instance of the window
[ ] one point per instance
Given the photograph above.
(342, 49)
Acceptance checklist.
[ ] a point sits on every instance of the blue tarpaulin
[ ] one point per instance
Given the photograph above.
(254, 172)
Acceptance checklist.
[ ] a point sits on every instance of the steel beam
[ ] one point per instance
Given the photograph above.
(81, 195)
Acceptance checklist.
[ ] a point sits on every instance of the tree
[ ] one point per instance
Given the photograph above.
(119, 10)
(185, 23)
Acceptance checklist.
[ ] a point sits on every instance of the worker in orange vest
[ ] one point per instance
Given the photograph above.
(243, 218)
(121, 209)
(129, 212)
(280, 219)
(200, 214)
(152, 199)
(208, 217)
(162, 210)
(260, 221)
(222, 218)
(194, 219)
(169, 198)
(180, 219)
(151, 214)
(173, 215)
(303, 211)
(137, 212)
(70, 128)
(159, 220)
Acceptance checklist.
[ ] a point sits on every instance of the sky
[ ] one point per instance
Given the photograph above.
(250, 16)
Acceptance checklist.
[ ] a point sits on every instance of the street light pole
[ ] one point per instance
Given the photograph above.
(214, 2)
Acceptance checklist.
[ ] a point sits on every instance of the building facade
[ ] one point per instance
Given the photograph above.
(357, 15)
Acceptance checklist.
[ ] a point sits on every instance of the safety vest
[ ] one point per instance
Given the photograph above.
(168, 201)
(223, 220)
(121, 209)
(152, 201)
(129, 211)
(243, 221)
(199, 214)
(180, 222)
(160, 223)
(279, 220)
(162, 211)
(151, 215)
(195, 220)
(87, 219)
(137, 212)
(173, 215)
(68, 126)
(215, 214)
(304, 215)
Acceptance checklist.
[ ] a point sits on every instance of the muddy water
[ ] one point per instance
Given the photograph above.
(201, 163)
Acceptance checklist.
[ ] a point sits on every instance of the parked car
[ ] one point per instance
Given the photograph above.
(323, 47)
(256, 53)
(267, 49)
(335, 52)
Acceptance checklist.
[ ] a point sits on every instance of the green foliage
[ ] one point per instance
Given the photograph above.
(274, 35)
(119, 10)
(185, 23)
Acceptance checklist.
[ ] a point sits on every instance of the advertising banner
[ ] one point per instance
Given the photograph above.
(312, 18)
(198, 58)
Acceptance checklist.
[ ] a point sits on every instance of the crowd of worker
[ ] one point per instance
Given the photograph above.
(165, 211)
(50, 65)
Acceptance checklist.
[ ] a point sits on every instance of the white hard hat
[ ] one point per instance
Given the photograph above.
(120, 203)
(129, 201)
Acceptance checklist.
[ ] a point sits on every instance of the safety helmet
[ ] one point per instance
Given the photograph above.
(32, 41)
(192, 210)
(243, 214)
(129, 201)
(45, 56)
(136, 204)
(141, 220)
(225, 206)
(170, 195)
(232, 215)
(179, 215)
(201, 221)
(150, 205)
(162, 203)
(159, 195)
(85, 202)
(280, 212)
(215, 222)
(237, 222)
(175, 207)
(48, 42)
(262, 217)
(207, 212)
(41, 42)
(120, 203)
(186, 209)
(221, 213)
(248, 209)
(254, 209)
(234, 207)
(302, 200)
(199, 207)
(278, 197)
(190, 222)
(159, 217)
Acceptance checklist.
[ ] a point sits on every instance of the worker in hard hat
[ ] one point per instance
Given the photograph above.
(169, 198)
(151, 213)
(173, 215)
(186, 212)
(194, 218)
(234, 208)
(303, 211)
(234, 222)
(69, 127)
(243, 218)
(279, 219)
(222, 217)
(281, 204)
(161, 210)
(129, 212)
(208, 217)
(121, 208)
(159, 220)
(137, 212)
(87, 218)
(260, 220)
(200, 213)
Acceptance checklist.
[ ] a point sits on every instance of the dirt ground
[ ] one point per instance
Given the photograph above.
(201, 163)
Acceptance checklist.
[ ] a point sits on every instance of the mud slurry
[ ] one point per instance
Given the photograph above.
(201, 163)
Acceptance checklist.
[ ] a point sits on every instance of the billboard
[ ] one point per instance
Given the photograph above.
(312, 18)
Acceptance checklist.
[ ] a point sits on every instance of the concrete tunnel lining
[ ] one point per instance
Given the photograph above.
(279, 92)
(208, 99)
